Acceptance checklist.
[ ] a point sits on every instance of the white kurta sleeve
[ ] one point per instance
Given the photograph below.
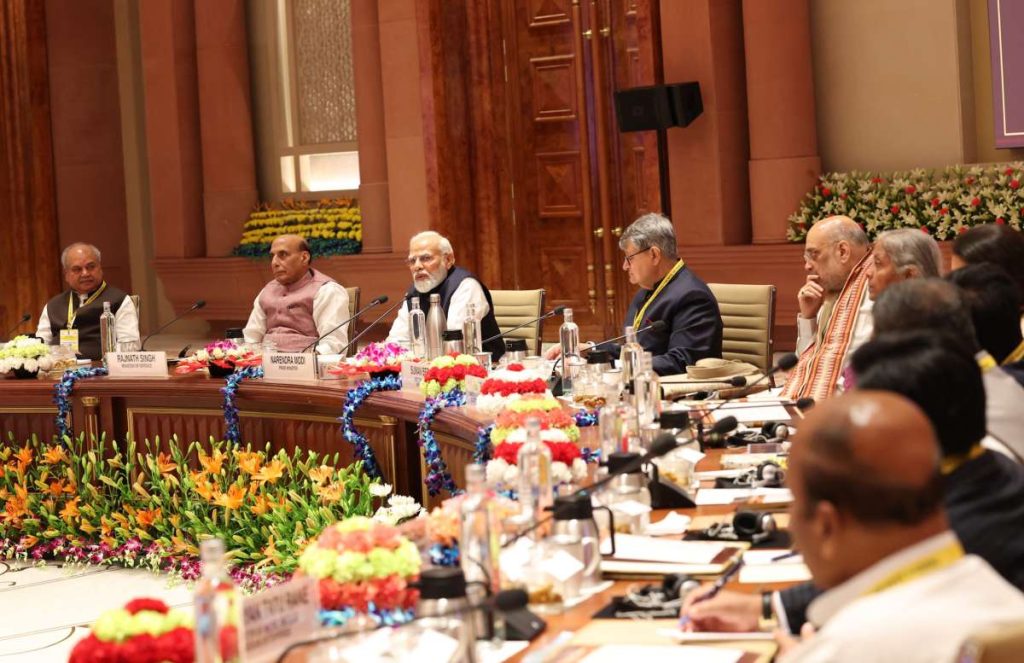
(330, 309)
(400, 328)
(257, 325)
(126, 322)
(806, 330)
(43, 330)
(468, 292)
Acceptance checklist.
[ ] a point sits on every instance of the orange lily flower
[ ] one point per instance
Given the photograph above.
(165, 463)
(271, 472)
(261, 505)
(249, 461)
(70, 510)
(321, 474)
(205, 488)
(212, 464)
(56, 488)
(332, 492)
(55, 455)
(24, 457)
(231, 499)
(147, 517)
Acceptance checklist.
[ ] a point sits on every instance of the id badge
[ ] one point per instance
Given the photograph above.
(69, 339)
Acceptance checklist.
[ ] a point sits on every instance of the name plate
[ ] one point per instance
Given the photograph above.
(142, 364)
(288, 367)
(279, 616)
(412, 374)
(474, 385)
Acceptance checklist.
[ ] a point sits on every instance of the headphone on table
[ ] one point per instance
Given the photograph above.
(771, 431)
(767, 474)
(752, 526)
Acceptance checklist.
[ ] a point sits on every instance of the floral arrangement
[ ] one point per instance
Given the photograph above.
(331, 227)
(448, 372)
(438, 532)
(25, 355)
(504, 386)
(375, 358)
(399, 509)
(547, 409)
(567, 463)
(224, 355)
(232, 429)
(363, 565)
(943, 202)
(354, 399)
(143, 631)
(438, 477)
(136, 504)
(62, 396)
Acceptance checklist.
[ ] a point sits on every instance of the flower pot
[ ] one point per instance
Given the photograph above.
(23, 374)
(220, 372)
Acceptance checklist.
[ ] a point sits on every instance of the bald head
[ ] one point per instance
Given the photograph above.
(82, 268)
(865, 478)
(834, 247)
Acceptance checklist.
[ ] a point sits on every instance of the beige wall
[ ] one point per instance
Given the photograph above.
(887, 84)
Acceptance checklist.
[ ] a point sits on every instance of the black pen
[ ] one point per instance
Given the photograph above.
(715, 588)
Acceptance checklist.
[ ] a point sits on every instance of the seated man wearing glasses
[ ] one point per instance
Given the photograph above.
(669, 292)
(432, 264)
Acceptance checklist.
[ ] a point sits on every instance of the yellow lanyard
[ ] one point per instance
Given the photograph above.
(933, 561)
(1015, 356)
(986, 362)
(73, 312)
(951, 463)
(661, 286)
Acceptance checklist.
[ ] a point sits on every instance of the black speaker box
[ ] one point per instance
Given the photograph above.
(658, 106)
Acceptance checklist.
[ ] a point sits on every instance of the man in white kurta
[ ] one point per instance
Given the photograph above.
(867, 515)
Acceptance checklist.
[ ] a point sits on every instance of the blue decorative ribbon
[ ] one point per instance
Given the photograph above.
(62, 396)
(353, 401)
(230, 390)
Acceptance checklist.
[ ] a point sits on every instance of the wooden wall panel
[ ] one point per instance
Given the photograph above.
(28, 234)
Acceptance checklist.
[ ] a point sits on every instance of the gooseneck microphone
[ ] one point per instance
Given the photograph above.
(376, 302)
(24, 318)
(507, 600)
(200, 303)
(370, 326)
(657, 325)
(661, 445)
(553, 312)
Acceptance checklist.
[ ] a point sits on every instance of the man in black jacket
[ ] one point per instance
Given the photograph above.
(984, 490)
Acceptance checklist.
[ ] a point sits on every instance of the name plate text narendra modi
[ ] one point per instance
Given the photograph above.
(141, 364)
(288, 367)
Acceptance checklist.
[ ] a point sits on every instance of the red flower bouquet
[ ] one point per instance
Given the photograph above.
(144, 631)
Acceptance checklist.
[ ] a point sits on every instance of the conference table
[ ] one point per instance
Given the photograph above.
(305, 415)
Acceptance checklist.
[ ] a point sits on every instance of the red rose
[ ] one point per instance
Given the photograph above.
(93, 650)
(177, 646)
(842, 196)
(895, 209)
(935, 202)
(910, 189)
(1000, 221)
(141, 648)
(508, 452)
(944, 211)
(877, 180)
(825, 191)
(975, 201)
(515, 367)
(969, 180)
(138, 605)
(1008, 171)
(961, 230)
(924, 229)
(1015, 184)
(229, 642)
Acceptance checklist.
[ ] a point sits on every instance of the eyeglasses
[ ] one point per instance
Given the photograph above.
(629, 258)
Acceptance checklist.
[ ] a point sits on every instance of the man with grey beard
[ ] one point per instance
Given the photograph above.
(432, 265)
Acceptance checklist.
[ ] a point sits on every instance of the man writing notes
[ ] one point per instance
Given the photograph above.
(669, 292)
(72, 318)
(432, 264)
(300, 305)
(867, 515)
(835, 310)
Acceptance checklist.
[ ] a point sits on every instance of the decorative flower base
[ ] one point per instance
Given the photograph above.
(220, 372)
(22, 374)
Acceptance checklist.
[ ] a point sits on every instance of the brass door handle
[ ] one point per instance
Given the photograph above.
(599, 232)
(588, 34)
(617, 231)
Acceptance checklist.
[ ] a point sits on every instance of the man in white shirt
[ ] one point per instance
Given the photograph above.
(432, 264)
(835, 310)
(300, 305)
(867, 516)
(72, 318)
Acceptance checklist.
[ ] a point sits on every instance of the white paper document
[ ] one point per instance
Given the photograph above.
(759, 574)
(658, 653)
(673, 523)
(713, 636)
(745, 412)
(719, 496)
(650, 549)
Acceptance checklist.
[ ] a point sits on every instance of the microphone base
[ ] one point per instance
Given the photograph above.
(666, 494)
(522, 625)
(555, 384)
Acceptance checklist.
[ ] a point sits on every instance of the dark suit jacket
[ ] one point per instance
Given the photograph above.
(985, 504)
(694, 328)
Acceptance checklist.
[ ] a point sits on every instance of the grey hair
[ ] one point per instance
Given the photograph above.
(911, 248)
(651, 230)
(928, 303)
(67, 250)
(442, 242)
(845, 228)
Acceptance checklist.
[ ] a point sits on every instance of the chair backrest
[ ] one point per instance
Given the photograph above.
(1001, 644)
(353, 306)
(748, 317)
(514, 307)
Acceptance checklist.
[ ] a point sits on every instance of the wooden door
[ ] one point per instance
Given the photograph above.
(574, 180)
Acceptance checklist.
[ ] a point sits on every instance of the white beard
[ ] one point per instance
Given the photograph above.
(434, 280)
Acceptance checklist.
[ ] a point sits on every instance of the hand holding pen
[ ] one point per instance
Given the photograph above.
(685, 620)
